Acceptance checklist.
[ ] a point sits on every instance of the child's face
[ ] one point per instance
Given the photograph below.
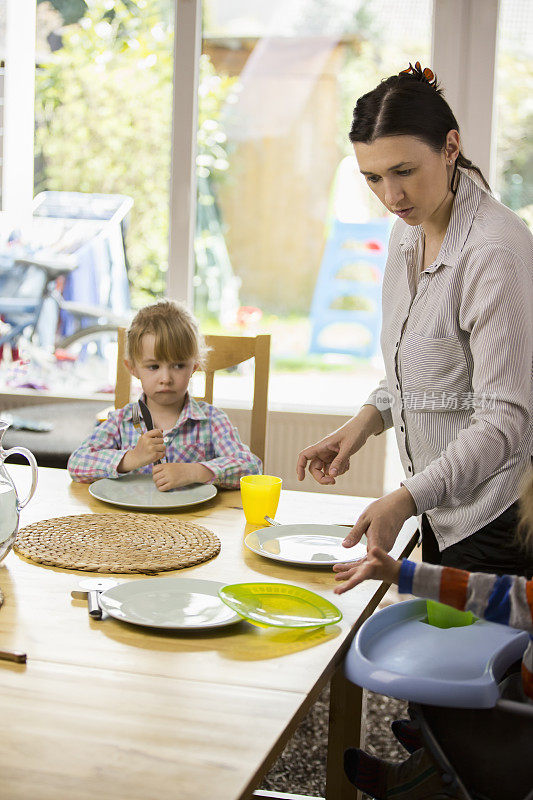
(163, 383)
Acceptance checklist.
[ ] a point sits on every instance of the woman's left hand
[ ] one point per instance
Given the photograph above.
(382, 520)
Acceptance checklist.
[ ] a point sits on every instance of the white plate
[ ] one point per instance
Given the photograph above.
(308, 545)
(139, 491)
(174, 603)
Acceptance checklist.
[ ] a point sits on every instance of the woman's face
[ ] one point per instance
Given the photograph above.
(409, 178)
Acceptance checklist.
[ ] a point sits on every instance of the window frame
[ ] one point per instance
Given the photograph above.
(183, 183)
(17, 100)
(463, 57)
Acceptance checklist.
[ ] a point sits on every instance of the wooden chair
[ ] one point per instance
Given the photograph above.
(224, 352)
(123, 382)
(229, 351)
(123, 379)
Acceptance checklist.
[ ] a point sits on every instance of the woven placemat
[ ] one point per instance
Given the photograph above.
(116, 543)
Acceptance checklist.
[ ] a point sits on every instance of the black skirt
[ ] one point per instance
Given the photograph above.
(495, 548)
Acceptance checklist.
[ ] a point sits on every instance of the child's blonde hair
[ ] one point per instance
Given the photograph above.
(176, 333)
(525, 525)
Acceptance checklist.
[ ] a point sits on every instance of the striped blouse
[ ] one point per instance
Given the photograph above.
(505, 599)
(202, 433)
(457, 341)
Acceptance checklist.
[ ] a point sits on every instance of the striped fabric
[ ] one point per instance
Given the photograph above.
(505, 599)
(202, 433)
(457, 341)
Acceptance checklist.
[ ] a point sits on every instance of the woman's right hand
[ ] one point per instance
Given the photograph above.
(330, 457)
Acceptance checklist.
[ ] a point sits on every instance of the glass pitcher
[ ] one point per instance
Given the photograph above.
(10, 504)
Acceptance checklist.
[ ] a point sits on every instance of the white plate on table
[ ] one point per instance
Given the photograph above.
(139, 491)
(303, 544)
(170, 603)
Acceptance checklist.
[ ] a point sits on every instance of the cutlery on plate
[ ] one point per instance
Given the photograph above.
(279, 524)
(13, 655)
(89, 589)
(147, 417)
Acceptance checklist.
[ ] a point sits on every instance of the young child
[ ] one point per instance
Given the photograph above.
(195, 441)
(490, 750)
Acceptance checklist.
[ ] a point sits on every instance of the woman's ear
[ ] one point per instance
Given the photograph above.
(452, 146)
(130, 366)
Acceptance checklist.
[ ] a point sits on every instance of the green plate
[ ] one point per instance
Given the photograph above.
(280, 605)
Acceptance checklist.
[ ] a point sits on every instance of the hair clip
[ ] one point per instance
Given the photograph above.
(427, 75)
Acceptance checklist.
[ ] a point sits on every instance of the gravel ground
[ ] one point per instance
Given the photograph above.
(301, 768)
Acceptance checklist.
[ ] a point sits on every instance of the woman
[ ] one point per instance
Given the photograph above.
(457, 339)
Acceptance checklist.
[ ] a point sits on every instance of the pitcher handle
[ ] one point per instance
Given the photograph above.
(22, 451)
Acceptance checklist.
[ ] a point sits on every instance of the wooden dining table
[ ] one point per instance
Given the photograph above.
(104, 709)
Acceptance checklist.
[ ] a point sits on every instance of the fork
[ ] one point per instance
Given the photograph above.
(136, 418)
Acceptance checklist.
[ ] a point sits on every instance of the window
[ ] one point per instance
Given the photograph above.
(278, 84)
(514, 104)
(103, 117)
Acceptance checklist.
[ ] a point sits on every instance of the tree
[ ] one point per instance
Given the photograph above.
(103, 121)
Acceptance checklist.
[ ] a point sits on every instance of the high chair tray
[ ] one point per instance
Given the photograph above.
(397, 653)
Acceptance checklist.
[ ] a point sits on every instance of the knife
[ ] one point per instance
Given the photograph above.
(147, 417)
(90, 589)
(145, 413)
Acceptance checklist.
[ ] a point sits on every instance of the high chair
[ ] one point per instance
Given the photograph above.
(397, 653)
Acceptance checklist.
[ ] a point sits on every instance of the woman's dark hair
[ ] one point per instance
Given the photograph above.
(409, 105)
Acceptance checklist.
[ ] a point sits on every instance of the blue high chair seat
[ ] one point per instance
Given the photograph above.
(397, 653)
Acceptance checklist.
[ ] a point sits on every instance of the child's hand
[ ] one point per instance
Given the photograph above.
(377, 565)
(172, 476)
(149, 448)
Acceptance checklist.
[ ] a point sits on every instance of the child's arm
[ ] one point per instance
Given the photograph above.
(149, 449)
(233, 458)
(507, 599)
(180, 473)
(104, 454)
(99, 455)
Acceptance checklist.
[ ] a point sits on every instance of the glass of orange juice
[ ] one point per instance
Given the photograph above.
(260, 497)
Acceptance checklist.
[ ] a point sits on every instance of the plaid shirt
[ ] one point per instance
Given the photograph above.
(202, 434)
